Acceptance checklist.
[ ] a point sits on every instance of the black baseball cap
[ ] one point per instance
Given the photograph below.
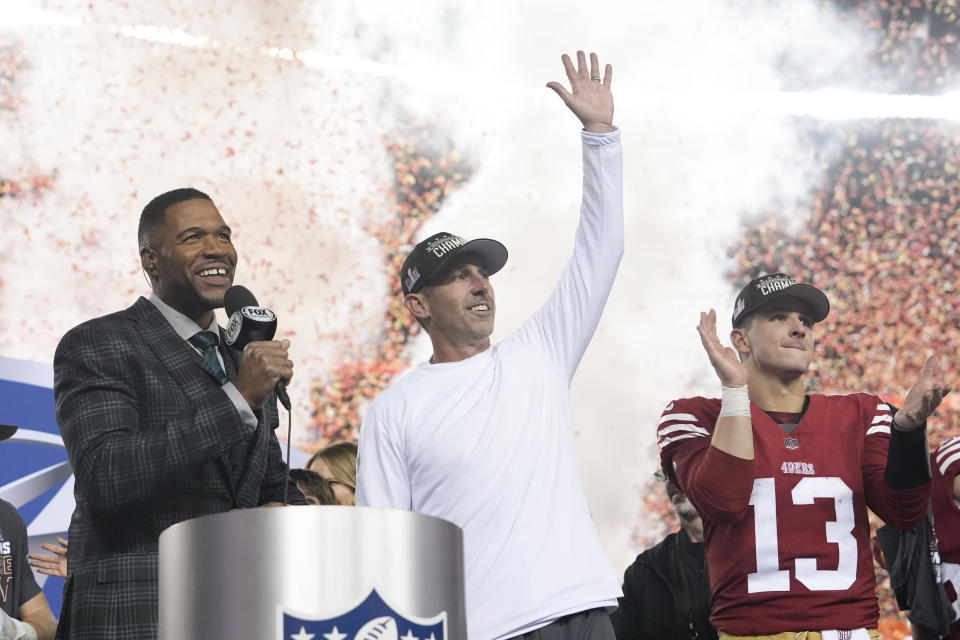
(6, 431)
(778, 285)
(431, 256)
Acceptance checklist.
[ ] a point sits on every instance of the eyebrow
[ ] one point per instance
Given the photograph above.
(199, 230)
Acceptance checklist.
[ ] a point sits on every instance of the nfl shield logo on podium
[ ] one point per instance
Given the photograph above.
(372, 619)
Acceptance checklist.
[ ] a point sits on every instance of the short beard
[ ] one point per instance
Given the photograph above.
(207, 304)
(463, 335)
(685, 510)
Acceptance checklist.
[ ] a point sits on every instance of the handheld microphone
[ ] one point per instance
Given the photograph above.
(249, 322)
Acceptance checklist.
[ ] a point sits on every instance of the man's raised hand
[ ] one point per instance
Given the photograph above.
(725, 360)
(589, 97)
(923, 397)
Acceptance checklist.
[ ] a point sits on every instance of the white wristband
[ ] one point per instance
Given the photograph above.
(734, 401)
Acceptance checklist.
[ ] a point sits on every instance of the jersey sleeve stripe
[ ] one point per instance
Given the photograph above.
(682, 426)
(948, 461)
(672, 417)
(883, 407)
(665, 441)
(884, 418)
(879, 429)
(948, 447)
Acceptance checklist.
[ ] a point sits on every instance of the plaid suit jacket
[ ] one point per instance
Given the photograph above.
(150, 436)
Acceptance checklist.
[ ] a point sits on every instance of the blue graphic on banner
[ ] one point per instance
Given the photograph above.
(372, 619)
(35, 475)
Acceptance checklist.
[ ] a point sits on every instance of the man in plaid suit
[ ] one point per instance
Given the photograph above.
(161, 421)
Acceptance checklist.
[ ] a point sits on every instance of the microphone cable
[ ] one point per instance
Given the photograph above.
(286, 483)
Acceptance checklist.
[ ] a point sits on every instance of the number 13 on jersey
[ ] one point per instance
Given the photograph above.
(769, 576)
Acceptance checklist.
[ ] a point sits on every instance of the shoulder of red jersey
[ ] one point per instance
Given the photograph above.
(876, 415)
(687, 419)
(946, 458)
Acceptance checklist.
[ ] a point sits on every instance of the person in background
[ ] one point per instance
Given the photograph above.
(24, 611)
(945, 507)
(337, 463)
(51, 565)
(315, 488)
(666, 591)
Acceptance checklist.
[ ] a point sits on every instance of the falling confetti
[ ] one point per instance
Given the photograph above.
(425, 173)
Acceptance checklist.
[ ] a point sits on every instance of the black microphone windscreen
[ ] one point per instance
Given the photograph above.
(238, 297)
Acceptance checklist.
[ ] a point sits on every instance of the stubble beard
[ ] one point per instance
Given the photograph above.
(464, 331)
(206, 302)
(685, 510)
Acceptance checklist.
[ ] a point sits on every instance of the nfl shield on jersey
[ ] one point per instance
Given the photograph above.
(372, 619)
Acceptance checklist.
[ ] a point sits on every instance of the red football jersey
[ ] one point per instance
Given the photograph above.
(945, 462)
(798, 557)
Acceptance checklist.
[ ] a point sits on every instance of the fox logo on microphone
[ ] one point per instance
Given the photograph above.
(372, 619)
(259, 314)
(248, 324)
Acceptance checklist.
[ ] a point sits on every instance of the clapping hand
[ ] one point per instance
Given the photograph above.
(922, 398)
(724, 359)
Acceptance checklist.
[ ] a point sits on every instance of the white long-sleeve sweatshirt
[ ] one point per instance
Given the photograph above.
(487, 442)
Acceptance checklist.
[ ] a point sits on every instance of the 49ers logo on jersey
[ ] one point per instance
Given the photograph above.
(798, 468)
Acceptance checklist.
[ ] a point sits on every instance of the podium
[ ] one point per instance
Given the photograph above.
(312, 573)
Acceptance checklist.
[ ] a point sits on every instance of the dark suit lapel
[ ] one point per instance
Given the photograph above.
(181, 360)
(256, 460)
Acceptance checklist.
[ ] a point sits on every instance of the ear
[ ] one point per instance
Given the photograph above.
(417, 304)
(740, 342)
(148, 261)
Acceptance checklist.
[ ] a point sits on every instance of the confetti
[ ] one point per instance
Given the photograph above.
(426, 171)
(12, 63)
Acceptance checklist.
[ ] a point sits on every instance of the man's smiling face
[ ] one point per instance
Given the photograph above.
(461, 302)
(195, 259)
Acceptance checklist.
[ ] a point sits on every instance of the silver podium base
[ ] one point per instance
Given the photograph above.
(287, 572)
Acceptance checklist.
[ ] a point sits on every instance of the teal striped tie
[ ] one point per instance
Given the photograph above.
(206, 342)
